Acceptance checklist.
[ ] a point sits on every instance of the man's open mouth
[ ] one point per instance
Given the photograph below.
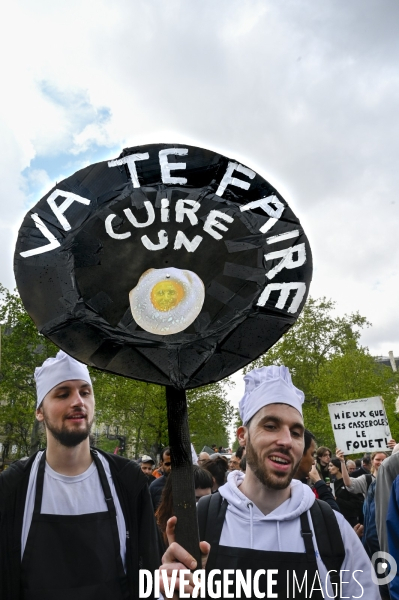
(279, 460)
(76, 416)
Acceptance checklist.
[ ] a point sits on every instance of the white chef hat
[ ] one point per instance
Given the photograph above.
(268, 385)
(56, 370)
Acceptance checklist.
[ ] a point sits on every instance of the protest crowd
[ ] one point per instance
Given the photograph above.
(76, 522)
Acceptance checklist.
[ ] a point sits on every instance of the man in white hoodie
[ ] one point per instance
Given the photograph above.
(263, 519)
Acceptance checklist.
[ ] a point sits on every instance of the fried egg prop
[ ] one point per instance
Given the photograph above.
(167, 301)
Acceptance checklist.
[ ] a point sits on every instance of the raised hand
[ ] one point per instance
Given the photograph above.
(176, 558)
(314, 475)
(339, 454)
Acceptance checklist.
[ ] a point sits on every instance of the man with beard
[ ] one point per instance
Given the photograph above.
(75, 522)
(265, 519)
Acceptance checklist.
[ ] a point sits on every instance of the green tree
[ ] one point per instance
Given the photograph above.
(316, 336)
(139, 409)
(209, 415)
(326, 361)
(22, 350)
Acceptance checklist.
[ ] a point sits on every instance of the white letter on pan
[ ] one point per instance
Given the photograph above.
(211, 222)
(281, 237)
(150, 215)
(59, 210)
(53, 242)
(165, 210)
(284, 289)
(182, 240)
(163, 241)
(229, 180)
(166, 167)
(287, 261)
(130, 161)
(266, 204)
(182, 210)
(111, 232)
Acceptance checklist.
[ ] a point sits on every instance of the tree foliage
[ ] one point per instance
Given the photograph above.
(22, 350)
(139, 409)
(210, 414)
(323, 352)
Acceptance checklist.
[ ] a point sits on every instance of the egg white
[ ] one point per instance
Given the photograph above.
(176, 319)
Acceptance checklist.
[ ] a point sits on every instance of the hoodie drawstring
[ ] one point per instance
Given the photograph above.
(278, 536)
(251, 519)
(250, 506)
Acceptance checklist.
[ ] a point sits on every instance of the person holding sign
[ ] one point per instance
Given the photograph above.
(365, 484)
(361, 484)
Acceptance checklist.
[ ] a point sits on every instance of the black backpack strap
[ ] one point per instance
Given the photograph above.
(369, 481)
(202, 515)
(329, 539)
(211, 511)
(307, 535)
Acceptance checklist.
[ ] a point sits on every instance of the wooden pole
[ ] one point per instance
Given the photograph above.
(184, 505)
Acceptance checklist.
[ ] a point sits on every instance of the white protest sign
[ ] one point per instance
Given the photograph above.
(360, 425)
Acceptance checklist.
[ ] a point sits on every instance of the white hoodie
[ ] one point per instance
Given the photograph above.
(246, 526)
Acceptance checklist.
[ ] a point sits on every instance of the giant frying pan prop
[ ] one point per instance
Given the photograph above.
(171, 264)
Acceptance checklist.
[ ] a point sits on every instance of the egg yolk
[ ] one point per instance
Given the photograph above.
(167, 294)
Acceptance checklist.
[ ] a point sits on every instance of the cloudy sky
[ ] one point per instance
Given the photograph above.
(304, 92)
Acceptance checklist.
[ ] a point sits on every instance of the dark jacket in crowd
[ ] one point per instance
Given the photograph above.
(323, 471)
(370, 536)
(360, 471)
(132, 489)
(156, 491)
(350, 505)
(323, 492)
